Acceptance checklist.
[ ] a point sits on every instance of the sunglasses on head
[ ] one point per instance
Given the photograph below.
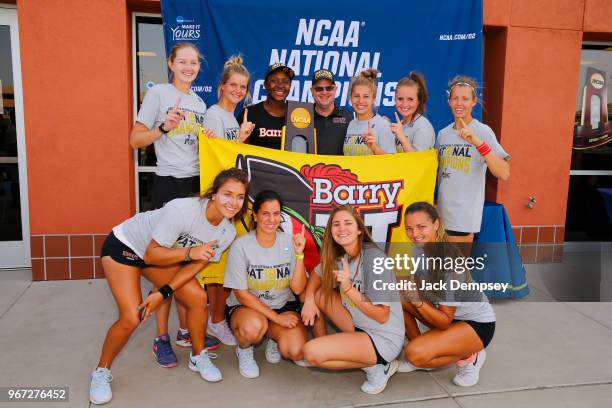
(327, 88)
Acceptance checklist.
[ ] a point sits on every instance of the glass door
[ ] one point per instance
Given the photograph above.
(14, 223)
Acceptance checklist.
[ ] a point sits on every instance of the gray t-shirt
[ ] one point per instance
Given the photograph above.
(354, 145)
(222, 122)
(265, 272)
(420, 133)
(461, 177)
(478, 309)
(176, 151)
(181, 223)
(388, 337)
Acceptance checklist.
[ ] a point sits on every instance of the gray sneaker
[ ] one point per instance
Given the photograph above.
(100, 389)
(377, 377)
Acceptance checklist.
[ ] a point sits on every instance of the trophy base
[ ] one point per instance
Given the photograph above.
(586, 137)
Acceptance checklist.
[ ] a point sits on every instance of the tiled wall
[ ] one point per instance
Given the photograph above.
(540, 243)
(57, 257)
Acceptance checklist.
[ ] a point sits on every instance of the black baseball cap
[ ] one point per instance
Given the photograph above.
(322, 74)
(279, 66)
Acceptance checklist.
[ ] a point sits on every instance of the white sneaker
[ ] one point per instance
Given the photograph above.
(469, 374)
(202, 364)
(222, 332)
(273, 356)
(246, 362)
(377, 377)
(100, 390)
(302, 363)
(407, 367)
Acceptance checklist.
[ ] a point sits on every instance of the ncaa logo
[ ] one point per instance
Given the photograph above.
(180, 19)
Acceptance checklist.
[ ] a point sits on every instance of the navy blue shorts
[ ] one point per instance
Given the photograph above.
(293, 306)
(120, 252)
(379, 359)
(484, 331)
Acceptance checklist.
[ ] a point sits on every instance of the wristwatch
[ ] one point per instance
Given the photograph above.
(161, 129)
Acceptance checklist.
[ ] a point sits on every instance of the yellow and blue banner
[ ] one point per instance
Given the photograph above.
(311, 186)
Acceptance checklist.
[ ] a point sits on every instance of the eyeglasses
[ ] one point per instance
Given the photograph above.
(327, 88)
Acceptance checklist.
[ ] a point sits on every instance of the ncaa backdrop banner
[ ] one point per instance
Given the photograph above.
(311, 186)
(438, 38)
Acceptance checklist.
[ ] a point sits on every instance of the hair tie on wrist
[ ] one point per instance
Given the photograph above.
(166, 291)
(484, 149)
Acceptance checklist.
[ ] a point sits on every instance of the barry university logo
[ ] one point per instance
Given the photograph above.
(312, 192)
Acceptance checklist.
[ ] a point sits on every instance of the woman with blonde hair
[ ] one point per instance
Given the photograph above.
(369, 133)
(233, 89)
(466, 149)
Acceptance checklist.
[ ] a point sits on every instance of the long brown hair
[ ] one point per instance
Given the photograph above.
(441, 248)
(331, 251)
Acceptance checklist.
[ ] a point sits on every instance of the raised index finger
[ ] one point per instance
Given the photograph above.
(399, 122)
(369, 126)
(244, 117)
(462, 123)
(303, 230)
(177, 104)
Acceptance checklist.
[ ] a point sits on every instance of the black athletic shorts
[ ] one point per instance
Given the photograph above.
(484, 331)
(120, 252)
(457, 233)
(293, 306)
(379, 359)
(167, 188)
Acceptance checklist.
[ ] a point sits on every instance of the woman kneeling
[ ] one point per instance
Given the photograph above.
(371, 321)
(462, 324)
(265, 268)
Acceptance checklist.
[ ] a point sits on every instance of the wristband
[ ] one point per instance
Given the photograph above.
(166, 291)
(187, 257)
(299, 257)
(484, 149)
(161, 129)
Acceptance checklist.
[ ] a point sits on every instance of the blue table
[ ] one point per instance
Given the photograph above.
(606, 194)
(503, 263)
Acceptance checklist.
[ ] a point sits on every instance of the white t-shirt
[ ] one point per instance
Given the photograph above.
(265, 272)
(420, 134)
(354, 145)
(222, 122)
(461, 177)
(181, 223)
(176, 151)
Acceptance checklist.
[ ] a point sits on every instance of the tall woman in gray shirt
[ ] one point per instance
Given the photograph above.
(466, 149)
(170, 118)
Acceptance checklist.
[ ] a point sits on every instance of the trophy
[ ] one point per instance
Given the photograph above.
(585, 135)
(299, 133)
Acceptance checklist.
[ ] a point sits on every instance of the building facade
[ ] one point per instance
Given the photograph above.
(71, 174)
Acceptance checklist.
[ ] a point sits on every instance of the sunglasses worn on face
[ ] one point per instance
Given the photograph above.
(328, 88)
